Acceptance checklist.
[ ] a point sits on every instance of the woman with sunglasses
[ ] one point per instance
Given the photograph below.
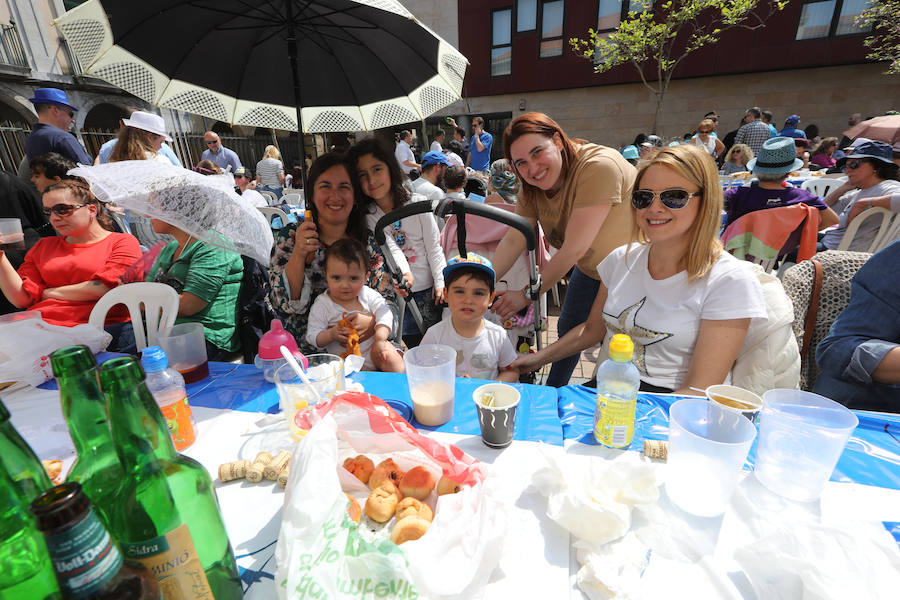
(297, 265)
(575, 190)
(63, 277)
(686, 303)
(736, 160)
(706, 139)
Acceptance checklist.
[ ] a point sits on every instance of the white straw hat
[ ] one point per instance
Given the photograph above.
(147, 122)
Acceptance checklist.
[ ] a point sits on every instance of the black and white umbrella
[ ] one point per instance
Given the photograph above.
(331, 65)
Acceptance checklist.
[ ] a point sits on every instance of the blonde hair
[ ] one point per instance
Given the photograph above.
(697, 166)
(746, 151)
(708, 123)
(272, 152)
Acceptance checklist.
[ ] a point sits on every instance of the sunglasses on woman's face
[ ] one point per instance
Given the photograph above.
(736, 152)
(62, 210)
(702, 132)
(674, 198)
(854, 164)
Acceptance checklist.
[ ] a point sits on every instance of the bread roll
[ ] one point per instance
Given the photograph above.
(417, 482)
(411, 507)
(382, 502)
(387, 470)
(408, 529)
(361, 466)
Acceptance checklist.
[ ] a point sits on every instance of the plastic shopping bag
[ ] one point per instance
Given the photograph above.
(322, 553)
(25, 347)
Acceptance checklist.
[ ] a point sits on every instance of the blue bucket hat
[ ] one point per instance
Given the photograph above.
(877, 150)
(470, 260)
(435, 158)
(778, 155)
(51, 96)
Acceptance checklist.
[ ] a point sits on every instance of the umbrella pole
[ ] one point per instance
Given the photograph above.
(295, 74)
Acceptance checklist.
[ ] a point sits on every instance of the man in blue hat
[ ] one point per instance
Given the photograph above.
(871, 182)
(790, 128)
(433, 166)
(51, 133)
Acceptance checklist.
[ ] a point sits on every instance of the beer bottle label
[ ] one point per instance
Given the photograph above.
(173, 559)
(84, 557)
(180, 422)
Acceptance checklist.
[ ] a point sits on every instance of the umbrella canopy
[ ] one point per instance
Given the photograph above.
(355, 64)
(205, 206)
(883, 129)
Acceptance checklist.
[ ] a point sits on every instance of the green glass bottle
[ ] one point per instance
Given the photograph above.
(20, 461)
(97, 467)
(25, 569)
(86, 559)
(165, 515)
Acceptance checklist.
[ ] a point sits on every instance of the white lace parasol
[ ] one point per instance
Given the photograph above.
(205, 206)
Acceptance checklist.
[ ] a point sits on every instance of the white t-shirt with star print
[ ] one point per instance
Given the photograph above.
(663, 316)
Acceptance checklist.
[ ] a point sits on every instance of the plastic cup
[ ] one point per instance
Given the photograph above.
(11, 236)
(325, 372)
(707, 448)
(185, 348)
(735, 399)
(801, 438)
(431, 374)
(496, 404)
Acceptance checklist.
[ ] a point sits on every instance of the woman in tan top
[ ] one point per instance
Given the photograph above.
(574, 189)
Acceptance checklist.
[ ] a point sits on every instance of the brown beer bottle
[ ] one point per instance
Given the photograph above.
(85, 558)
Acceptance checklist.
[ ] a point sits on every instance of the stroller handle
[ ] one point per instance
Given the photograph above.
(407, 210)
(462, 207)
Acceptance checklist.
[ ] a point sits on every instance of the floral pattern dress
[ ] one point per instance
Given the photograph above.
(294, 314)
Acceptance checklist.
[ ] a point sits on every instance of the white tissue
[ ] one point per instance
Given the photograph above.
(612, 570)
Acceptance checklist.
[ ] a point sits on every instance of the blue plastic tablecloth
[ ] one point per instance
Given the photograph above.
(871, 457)
(242, 387)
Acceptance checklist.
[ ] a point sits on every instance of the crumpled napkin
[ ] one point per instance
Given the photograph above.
(595, 506)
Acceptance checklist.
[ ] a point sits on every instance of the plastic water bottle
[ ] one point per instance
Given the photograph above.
(167, 387)
(618, 381)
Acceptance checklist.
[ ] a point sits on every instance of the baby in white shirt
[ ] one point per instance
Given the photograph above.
(345, 274)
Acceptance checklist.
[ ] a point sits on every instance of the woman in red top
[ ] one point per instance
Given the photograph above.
(63, 277)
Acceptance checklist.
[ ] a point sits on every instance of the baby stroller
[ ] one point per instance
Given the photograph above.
(486, 235)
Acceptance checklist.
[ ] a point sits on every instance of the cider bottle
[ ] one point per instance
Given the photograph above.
(25, 570)
(20, 462)
(166, 515)
(86, 560)
(618, 381)
(96, 467)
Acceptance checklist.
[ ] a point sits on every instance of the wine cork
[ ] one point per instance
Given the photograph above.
(233, 470)
(283, 476)
(656, 449)
(274, 468)
(255, 472)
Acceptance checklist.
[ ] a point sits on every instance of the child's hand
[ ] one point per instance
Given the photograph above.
(439, 295)
(339, 334)
(409, 279)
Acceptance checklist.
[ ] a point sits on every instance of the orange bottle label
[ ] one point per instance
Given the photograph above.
(180, 421)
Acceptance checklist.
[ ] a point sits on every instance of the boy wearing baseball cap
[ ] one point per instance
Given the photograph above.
(483, 350)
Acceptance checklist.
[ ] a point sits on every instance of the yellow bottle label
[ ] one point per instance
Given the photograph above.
(173, 559)
(614, 423)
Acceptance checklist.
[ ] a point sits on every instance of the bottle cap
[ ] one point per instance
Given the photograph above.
(271, 342)
(154, 359)
(621, 348)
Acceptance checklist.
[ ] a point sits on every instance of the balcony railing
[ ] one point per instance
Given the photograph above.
(11, 51)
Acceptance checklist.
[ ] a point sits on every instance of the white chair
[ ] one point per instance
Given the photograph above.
(160, 308)
(270, 212)
(892, 233)
(881, 238)
(820, 187)
(270, 197)
(294, 198)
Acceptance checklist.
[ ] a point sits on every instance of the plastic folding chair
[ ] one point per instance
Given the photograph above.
(293, 199)
(886, 226)
(271, 197)
(821, 186)
(270, 212)
(160, 308)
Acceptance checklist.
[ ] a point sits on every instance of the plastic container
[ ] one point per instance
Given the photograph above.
(735, 399)
(618, 381)
(167, 387)
(707, 448)
(269, 358)
(801, 438)
(185, 347)
(431, 374)
(325, 372)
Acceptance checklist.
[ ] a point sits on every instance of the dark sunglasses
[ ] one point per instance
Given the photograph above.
(674, 198)
(702, 132)
(212, 142)
(854, 164)
(63, 210)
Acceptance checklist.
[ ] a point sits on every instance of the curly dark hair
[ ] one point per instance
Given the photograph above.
(399, 194)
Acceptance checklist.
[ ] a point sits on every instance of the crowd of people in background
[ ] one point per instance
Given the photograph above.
(634, 232)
